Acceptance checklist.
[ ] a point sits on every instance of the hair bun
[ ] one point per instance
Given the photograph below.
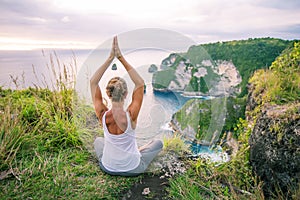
(116, 89)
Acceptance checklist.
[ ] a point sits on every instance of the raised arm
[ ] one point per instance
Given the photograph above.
(97, 98)
(138, 93)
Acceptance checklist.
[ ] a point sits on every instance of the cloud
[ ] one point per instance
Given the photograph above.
(95, 21)
(279, 4)
(33, 20)
(65, 19)
(239, 20)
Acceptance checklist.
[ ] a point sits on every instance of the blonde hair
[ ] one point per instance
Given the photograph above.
(116, 89)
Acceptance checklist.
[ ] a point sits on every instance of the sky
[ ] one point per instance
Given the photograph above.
(71, 24)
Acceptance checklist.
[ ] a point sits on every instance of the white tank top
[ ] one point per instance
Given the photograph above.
(120, 153)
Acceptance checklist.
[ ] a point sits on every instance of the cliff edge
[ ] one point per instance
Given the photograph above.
(274, 110)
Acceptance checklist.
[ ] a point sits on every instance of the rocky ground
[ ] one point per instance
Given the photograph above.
(275, 152)
(154, 183)
(150, 187)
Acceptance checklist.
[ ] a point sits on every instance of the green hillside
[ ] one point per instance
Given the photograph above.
(266, 165)
(247, 55)
(280, 84)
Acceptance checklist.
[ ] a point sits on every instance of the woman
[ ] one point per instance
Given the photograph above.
(118, 152)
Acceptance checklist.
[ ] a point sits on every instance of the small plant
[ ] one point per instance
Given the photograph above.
(176, 144)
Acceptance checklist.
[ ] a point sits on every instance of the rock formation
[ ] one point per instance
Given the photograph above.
(274, 111)
(220, 77)
(275, 147)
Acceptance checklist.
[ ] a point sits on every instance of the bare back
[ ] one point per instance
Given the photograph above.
(116, 122)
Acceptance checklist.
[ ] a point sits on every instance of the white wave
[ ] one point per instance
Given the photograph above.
(166, 127)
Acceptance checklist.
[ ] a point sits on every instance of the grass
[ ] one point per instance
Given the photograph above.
(230, 180)
(46, 144)
(46, 148)
(69, 174)
(281, 83)
(176, 144)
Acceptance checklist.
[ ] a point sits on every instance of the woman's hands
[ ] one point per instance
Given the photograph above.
(115, 50)
(112, 51)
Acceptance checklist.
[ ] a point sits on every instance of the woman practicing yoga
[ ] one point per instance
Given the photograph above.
(118, 152)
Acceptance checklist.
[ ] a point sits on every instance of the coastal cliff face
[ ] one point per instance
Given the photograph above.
(205, 120)
(272, 117)
(210, 78)
(275, 147)
(274, 111)
(217, 69)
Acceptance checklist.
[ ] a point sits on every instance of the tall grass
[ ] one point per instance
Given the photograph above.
(281, 83)
(46, 135)
(44, 114)
(230, 180)
(12, 135)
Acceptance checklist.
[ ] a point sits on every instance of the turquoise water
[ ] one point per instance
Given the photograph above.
(212, 153)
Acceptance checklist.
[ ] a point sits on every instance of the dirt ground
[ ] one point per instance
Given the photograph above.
(150, 187)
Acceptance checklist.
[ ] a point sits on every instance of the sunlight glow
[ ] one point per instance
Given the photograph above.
(131, 8)
(7, 43)
(76, 5)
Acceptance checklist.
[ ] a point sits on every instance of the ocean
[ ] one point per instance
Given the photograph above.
(22, 69)
(33, 68)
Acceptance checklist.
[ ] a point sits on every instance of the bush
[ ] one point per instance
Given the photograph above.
(281, 83)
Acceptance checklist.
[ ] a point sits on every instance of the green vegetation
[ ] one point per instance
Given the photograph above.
(192, 60)
(164, 77)
(176, 144)
(44, 152)
(203, 87)
(190, 118)
(278, 88)
(248, 55)
(230, 180)
(281, 83)
(69, 174)
(161, 79)
(275, 95)
(46, 142)
(235, 109)
(206, 116)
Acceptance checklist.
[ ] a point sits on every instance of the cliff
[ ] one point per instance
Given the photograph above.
(274, 111)
(206, 120)
(275, 148)
(267, 143)
(206, 78)
(217, 69)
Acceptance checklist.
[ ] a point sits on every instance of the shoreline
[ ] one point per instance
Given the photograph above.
(185, 94)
